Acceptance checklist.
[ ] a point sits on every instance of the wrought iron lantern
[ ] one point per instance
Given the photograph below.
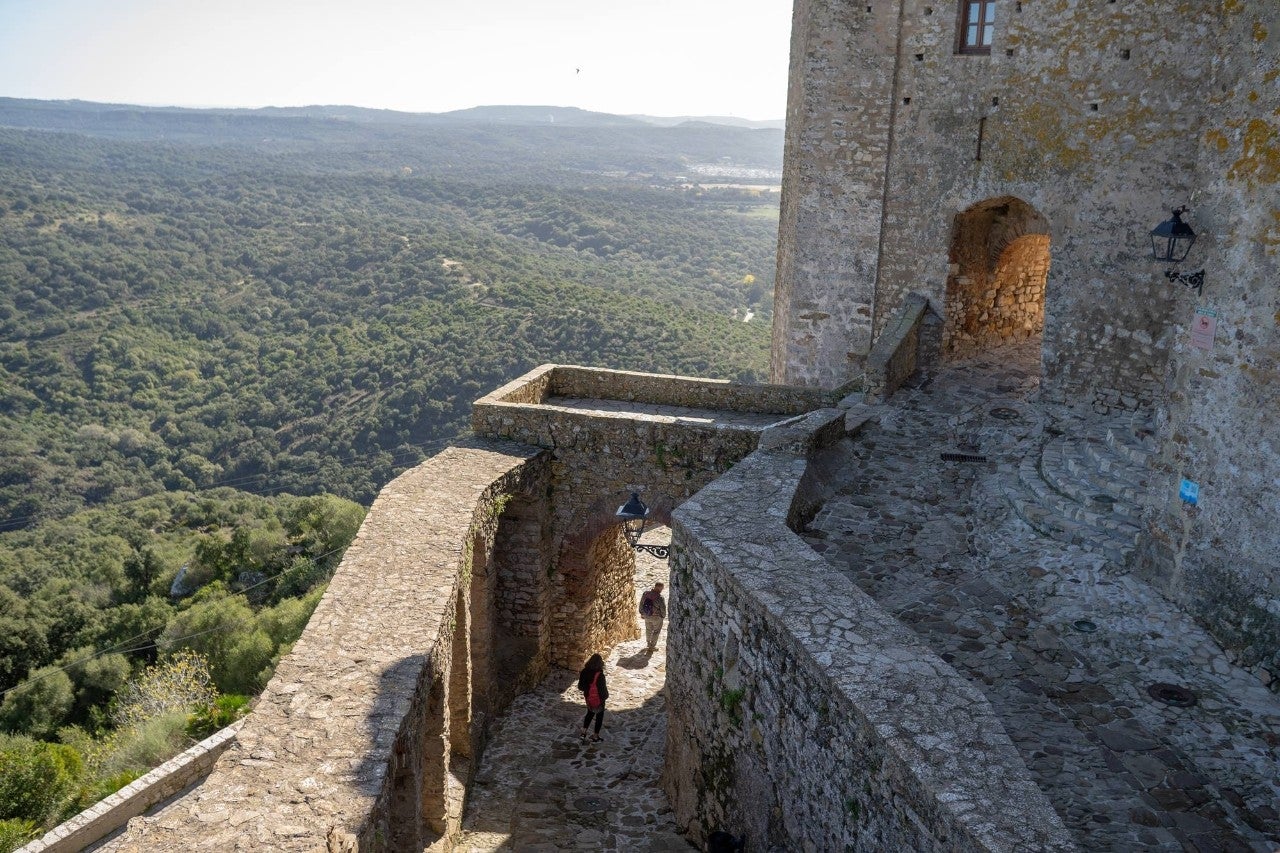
(1171, 241)
(634, 515)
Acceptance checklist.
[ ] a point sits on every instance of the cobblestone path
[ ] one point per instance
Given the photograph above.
(539, 788)
(937, 544)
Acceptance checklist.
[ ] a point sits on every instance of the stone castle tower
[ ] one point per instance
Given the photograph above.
(1006, 160)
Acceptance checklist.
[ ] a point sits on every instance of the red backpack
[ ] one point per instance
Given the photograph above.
(594, 702)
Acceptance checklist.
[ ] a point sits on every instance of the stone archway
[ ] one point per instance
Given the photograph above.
(594, 607)
(996, 286)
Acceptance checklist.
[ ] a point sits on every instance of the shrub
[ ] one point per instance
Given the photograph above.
(39, 705)
(173, 686)
(36, 778)
(15, 832)
(224, 711)
(146, 745)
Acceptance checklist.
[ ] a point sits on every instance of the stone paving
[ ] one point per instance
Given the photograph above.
(540, 788)
(938, 545)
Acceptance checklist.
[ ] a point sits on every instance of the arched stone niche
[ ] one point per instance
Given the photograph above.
(996, 282)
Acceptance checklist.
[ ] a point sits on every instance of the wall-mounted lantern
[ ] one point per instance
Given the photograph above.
(1171, 241)
(634, 515)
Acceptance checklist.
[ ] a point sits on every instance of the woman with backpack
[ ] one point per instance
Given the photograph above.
(594, 690)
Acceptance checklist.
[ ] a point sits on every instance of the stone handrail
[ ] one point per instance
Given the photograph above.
(894, 356)
(802, 713)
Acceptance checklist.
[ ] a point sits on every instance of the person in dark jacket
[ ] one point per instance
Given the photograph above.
(595, 691)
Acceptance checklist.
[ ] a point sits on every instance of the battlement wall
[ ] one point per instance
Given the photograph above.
(801, 712)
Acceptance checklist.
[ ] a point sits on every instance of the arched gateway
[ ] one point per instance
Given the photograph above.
(996, 284)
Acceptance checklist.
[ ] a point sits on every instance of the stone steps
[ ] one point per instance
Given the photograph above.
(1085, 489)
(1087, 466)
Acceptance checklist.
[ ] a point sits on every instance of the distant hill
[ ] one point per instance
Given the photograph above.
(86, 116)
(727, 121)
(555, 144)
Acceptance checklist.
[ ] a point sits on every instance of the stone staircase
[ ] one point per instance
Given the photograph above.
(1085, 489)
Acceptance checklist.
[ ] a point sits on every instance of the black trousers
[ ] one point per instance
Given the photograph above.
(599, 715)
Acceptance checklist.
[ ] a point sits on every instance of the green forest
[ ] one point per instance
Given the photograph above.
(221, 332)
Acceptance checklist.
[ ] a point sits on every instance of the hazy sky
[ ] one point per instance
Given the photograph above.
(661, 57)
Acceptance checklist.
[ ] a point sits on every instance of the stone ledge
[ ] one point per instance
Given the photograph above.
(551, 380)
(105, 817)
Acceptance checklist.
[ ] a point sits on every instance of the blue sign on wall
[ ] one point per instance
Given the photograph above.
(1189, 492)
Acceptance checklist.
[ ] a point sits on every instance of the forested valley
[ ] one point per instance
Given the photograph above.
(222, 331)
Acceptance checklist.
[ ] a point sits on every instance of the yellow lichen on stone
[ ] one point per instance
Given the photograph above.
(1218, 140)
(1271, 239)
(1259, 32)
(1260, 161)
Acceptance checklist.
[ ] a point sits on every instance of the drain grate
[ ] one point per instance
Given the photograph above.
(1172, 694)
(1004, 413)
(963, 457)
(1085, 626)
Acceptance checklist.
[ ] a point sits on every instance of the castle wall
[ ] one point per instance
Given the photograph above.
(839, 110)
(801, 713)
(1082, 110)
(1221, 429)
(357, 740)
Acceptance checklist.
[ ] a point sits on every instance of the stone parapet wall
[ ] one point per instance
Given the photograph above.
(357, 740)
(551, 380)
(105, 817)
(802, 714)
(896, 354)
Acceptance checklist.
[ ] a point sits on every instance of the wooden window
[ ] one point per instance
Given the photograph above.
(977, 26)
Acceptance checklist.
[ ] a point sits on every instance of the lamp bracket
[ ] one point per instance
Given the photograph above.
(659, 551)
(1194, 280)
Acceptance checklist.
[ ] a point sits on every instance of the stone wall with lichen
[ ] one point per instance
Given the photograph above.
(839, 109)
(801, 713)
(1221, 427)
(1082, 111)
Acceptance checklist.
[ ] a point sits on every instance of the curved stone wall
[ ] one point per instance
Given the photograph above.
(802, 714)
(364, 737)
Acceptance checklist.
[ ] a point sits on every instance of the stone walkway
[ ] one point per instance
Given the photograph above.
(540, 789)
(1064, 643)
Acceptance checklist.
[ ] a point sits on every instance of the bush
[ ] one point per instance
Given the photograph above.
(173, 686)
(100, 789)
(146, 745)
(39, 705)
(15, 833)
(224, 711)
(37, 779)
